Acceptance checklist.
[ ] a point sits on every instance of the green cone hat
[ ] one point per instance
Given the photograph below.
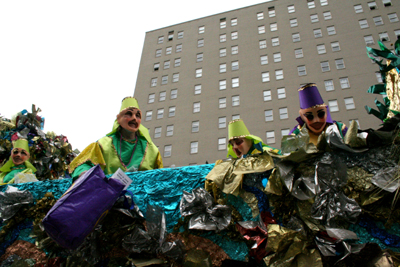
(21, 143)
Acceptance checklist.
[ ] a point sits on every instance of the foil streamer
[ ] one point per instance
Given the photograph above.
(335, 140)
(205, 215)
(387, 178)
(12, 200)
(331, 202)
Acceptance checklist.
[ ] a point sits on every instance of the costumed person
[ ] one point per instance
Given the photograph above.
(18, 162)
(314, 114)
(242, 143)
(128, 146)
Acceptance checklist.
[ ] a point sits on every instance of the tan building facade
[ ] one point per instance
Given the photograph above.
(196, 76)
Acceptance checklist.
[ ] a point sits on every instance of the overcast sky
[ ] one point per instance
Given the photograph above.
(77, 60)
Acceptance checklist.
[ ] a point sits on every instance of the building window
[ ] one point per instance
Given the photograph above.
(234, 22)
(222, 68)
(275, 41)
(349, 102)
(222, 143)
(195, 126)
(301, 70)
(171, 111)
(329, 85)
(199, 73)
(363, 23)
(160, 113)
(222, 85)
(267, 95)
(281, 93)
(222, 38)
(372, 5)
(285, 132)
(270, 137)
(296, 37)
(387, 3)
(384, 37)
(234, 35)
(196, 107)
(222, 23)
(269, 116)
(202, 29)
(178, 48)
(335, 46)
(164, 79)
(156, 66)
(167, 151)
(170, 35)
(235, 82)
(397, 33)
(235, 117)
(260, 15)
(222, 52)
(261, 29)
(314, 18)
(321, 49)
(153, 82)
(378, 21)
(151, 98)
(197, 89)
(160, 39)
(162, 96)
(293, 23)
(157, 132)
(264, 60)
(393, 17)
(174, 93)
(271, 12)
(369, 40)
(194, 147)
(273, 27)
(175, 77)
(325, 66)
(168, 50)
(166, 64)
(327, 15)
(358, 9)
(235, 101)
(221, 122)
(265, 76)
(234, 50)
(344, 83)
(331, 30)
(333, 105)
(378, 77)
(317, 33)
(291, 9)
(277, 57)
(149, 115)
(200, 43)
(170, 130)
(262, 44)
(180, 35)
(158, 52)
(177, 62)
(323, 2)
(339, 63)
(298, 53)
(311, 4)
(222, 102)
(235, 65)
(199, 57)
(283, 113)
(279, 74)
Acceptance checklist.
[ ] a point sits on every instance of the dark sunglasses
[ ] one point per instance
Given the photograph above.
(237, 141)
(310, 117)
(16, 151)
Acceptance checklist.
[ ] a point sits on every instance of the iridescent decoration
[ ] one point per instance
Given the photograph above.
(388, 239)
(12, 200)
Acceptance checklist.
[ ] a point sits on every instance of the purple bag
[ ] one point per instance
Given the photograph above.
(81, 208)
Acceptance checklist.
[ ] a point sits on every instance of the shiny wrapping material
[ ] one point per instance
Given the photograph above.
(393, 90)
(205, 215)
(353, 138)
(12, 200)
(251, 201)
(335, 140)
(358, 183)
(387, 178)
(25, 250)
(228, 175)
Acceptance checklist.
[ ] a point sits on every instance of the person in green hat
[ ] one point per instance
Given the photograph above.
(242, 143)
(128, 146)
(18, 162)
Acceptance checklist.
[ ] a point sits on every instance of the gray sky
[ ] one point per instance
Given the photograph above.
(77, 60)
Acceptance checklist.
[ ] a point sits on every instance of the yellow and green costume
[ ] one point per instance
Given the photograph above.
(9, 170)
(113, 151)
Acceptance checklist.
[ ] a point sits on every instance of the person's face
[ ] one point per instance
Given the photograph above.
(130, 119)
(315, 118)
(241, 146)
(19, 156)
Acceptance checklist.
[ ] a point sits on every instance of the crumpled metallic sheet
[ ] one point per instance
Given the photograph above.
(251, 201)
(24, 250)
(304, 212)
(228, 175)
(393, 90)
(256, 179)
(235, 250)
(205, 215)
(274, 185)
(291, 143)
(388, 239)
(262, 199)
(387, 178)
(331, 202)
(12, 200)
(358, 184)
(353, 138)
(335, 140)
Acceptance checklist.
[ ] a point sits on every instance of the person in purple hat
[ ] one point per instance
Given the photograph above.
(314, 113)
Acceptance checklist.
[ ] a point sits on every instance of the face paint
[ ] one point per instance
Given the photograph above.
(315, 118)
(241, 146)
(19, 156)
(130, 119)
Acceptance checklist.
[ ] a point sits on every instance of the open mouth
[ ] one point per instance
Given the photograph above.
(133, 124)
(237, 152)
(317, 125)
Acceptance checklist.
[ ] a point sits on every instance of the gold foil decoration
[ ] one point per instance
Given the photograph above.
(304, 212)
(251, 201)
(393, 90)
(352, 139)
(274, 185)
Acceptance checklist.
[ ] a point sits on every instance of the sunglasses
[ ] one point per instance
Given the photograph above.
(237, 141)
(310, 116)
(23, 152)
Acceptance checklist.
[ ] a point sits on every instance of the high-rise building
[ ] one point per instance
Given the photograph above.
(196, 76)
